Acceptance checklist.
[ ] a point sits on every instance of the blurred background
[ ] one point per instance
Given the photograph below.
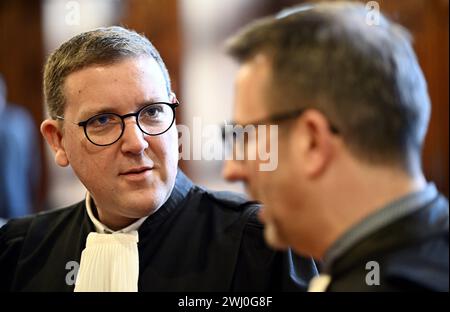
(189, 35)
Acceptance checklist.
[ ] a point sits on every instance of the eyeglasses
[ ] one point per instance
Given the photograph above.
(232, 131)
(274, 119)
(107, 128)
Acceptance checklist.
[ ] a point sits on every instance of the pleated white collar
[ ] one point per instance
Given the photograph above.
(110, 260)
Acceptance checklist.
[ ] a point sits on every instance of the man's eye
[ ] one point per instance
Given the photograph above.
(153, 111)
(102, 120)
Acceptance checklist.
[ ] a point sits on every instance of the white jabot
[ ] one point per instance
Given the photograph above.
(110, 260)
(319, 283)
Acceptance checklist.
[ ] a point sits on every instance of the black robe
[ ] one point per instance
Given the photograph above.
(412, 254)
(197, 241)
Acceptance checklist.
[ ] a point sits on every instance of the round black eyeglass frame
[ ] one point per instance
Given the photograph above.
(122, 117)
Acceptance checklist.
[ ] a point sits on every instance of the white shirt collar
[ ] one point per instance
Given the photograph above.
(102, 229)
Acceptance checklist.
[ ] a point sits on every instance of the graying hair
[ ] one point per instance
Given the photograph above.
(101, 46)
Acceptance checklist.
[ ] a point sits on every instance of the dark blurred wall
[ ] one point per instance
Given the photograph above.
(21, 59)
(432, 48)
(427, 20)
(159, 21)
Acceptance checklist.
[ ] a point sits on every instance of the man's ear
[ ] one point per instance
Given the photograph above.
(52, 133)
(315, 145)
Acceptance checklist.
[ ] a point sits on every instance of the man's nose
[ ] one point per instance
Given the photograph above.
(133, 139)
(233, 171)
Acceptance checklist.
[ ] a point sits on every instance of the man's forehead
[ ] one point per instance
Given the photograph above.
(132, 81)
(132, 65)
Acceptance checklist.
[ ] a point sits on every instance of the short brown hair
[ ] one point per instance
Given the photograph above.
(365, 79)
(100, 46)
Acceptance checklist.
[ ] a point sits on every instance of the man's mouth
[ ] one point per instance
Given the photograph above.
(136, 173)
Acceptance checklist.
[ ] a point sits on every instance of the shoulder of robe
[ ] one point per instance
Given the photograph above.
(233, 201)
(18, 228)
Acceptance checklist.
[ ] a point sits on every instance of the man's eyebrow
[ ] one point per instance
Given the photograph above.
(95, 111)
(113, 109)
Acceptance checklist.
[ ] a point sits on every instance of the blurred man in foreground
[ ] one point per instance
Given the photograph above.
(352, 110)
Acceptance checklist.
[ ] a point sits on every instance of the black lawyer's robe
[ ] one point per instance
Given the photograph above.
(412, 254)
(197, 241)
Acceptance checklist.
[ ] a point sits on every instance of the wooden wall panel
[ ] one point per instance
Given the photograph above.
(21, 61)
(427, 20)
(159, 21)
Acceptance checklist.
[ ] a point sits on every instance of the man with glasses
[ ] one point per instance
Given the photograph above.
(143, 225)
(352, 108)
